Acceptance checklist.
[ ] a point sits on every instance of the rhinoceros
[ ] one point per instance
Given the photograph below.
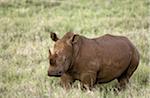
(92, 60)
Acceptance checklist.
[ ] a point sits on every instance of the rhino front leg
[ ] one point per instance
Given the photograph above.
(88, 80)
(66, 81)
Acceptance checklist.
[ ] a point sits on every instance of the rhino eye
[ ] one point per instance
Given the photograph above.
(64, 58)
(52, 62)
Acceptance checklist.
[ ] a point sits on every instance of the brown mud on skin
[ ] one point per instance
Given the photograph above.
(92, 61)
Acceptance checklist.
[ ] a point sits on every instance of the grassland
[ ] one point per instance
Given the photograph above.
(24, 43)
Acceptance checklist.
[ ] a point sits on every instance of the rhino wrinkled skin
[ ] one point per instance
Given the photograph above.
(92, 61)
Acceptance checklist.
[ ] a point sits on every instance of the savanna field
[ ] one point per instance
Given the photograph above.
(25, 40)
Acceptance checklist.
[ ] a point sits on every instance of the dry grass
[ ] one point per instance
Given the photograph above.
(24, 43)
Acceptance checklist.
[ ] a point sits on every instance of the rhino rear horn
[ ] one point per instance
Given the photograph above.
(50, 52)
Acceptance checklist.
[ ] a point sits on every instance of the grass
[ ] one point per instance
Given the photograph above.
(24, 43)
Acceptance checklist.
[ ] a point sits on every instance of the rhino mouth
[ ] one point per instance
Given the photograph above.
(55, 74)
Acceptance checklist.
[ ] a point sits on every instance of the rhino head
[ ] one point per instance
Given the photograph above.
(61, 58)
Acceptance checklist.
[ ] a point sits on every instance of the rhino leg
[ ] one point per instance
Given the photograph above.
(124, 78)
(66, 81)
(88, 80)
(123, 81)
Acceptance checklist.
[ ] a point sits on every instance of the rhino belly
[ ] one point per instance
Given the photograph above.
(112, 70)
(108, 75)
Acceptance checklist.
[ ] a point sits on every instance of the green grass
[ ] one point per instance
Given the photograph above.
(24, 43)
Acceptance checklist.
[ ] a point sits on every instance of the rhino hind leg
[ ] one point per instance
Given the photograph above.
(133, 65)
(124, 78)
(123, 81)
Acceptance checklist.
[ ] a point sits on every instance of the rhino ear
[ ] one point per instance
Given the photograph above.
(53, 36)
(74, 39)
